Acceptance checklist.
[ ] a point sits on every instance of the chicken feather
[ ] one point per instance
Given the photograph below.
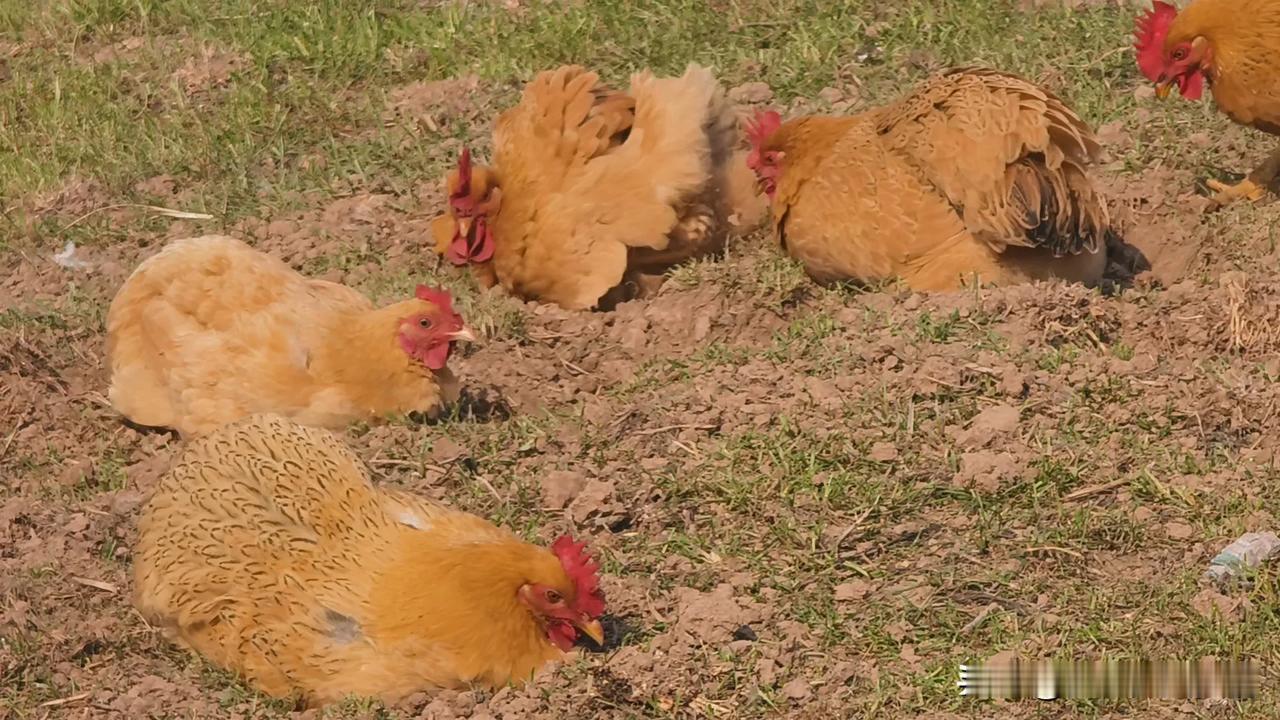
(1232, 46)
(209, 330)
(596, 186)
(267, 550)
(974, 174)
(984, 138)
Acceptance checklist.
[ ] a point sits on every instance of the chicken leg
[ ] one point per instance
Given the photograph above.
(1252, 188)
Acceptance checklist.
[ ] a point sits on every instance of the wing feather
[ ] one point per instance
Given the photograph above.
(1008, 155)
(574, 236)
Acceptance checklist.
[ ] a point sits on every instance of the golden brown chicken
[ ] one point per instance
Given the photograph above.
(209, 330)
(1235, 46)
(975, 176)
(267, 550)
(591, 187)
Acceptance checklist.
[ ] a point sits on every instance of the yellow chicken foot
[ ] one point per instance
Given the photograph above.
(1253, 188)
(1225, 194)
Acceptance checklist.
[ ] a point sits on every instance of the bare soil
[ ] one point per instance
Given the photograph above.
(808, 501)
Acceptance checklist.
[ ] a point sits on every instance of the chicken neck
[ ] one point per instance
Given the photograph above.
(463, 597)
(362, 345)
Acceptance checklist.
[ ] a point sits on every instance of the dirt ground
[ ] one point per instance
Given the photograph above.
(807, 501)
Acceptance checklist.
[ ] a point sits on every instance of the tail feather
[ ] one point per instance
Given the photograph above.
(1055, 209)
(669, 144)
(652, 183)
(1008, 155)
(666, 160)
(571, 116)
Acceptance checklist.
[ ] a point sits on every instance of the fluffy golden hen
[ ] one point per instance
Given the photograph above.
(209, 330)
(591, 187)
(974, 176)
(267, 550)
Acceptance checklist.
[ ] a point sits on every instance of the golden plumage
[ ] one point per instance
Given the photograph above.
(596, 185)
(1244, 36)
(974, 176)
(1234, 45)
(210, 330)
(267, 550)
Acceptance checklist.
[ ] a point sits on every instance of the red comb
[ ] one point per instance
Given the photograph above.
(464, 173)
(584, 572)
(436, 296)
(1149, 33)
(764, 124)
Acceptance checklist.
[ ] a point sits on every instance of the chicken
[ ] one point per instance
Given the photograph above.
(267, 550)
(209, 330)
(974, 176)
(591, 188)
(1232, 44)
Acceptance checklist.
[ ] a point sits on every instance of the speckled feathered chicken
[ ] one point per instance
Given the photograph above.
(267, 550)
(590, 187)
(209, 330)
(1235, 46)
(974, 175)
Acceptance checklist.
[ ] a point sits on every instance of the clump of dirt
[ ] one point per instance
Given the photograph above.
(159, 186)
(210, 70)
(73, 198)
(433, 104)
(118, 51)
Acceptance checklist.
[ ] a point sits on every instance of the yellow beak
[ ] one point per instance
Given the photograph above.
(592, 629)
(464, 226)
(1163, 89)
(463, 334)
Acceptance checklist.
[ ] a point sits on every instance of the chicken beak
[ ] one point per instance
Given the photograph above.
(592, 629)
(464, 227)
(1163, 89)
(463, 334)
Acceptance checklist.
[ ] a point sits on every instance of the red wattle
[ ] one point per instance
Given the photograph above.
(1191, 86)
(437, 356)
(562, 635)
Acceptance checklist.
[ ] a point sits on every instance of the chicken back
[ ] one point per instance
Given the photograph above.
(591, 187)
(975, 176)
(209, 330)
(267, 550)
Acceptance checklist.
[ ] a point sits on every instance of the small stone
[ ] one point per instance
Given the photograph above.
(883, 452)
(853, 590)
(560, 487)
(752, 92)
(797, 689)
(831, 95)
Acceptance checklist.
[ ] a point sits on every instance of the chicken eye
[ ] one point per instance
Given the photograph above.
(554, 598)
(424, 323)
(1180, 54)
